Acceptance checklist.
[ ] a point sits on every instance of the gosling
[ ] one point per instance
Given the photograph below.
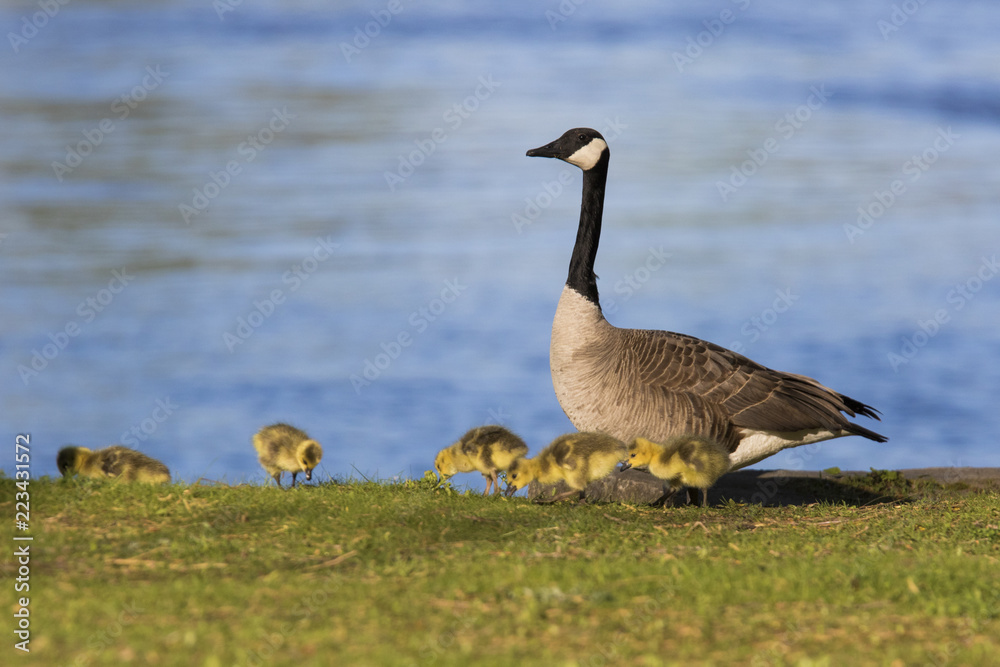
(283, 448)
(488, 449)
(115, 462)
(685, 460)
(575, 458)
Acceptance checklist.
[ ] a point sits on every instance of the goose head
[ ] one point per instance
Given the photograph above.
(519, 474)
(640, 453)
(68, 459)
(309, 455)
(444, 464)
(582, 147)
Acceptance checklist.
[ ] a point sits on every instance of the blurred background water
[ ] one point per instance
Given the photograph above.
(220, 215)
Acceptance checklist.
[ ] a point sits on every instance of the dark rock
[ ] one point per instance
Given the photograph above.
(770, 487)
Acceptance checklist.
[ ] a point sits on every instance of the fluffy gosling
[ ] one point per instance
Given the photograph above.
(488, 449)
(116, 462)
(685, 460)
(575, 458)
(283, 448)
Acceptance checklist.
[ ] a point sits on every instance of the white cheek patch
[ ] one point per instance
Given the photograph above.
(588, 156)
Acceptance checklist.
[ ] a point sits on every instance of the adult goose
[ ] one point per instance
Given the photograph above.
(632, 383)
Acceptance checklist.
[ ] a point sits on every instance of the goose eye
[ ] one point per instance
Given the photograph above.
(582, 137)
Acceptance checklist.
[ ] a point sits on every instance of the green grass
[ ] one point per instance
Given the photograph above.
(364, 573)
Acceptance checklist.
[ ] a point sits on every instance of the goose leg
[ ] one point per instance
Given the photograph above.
(664, 500)
(554, 499)
(568, 494)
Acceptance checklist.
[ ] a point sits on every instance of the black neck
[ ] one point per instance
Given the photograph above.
(581, 265)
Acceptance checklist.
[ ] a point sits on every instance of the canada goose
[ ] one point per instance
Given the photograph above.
(116, 462)
(282, 448)
(684, 460)
(633, 383)
(488, 449)
(575, 458)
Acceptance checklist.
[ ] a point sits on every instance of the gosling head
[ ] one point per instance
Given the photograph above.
(444, 464)
(309, 455)
(68, 458)
(640, 453)
(519, 475)
(582, 147)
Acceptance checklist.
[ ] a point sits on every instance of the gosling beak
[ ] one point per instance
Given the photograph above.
(509, 491)
(548, 150)
(625, 466)
(309, 474)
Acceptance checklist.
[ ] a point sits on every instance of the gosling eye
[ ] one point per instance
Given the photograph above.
(632, 456)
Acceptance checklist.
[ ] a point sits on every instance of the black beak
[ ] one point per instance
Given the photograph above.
(625, 466)
(510, 491)
(548, 150)
(309, 475)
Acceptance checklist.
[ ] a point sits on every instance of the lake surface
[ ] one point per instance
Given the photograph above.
(215, 216)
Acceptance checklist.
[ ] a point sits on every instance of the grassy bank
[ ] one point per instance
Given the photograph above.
(362, 573)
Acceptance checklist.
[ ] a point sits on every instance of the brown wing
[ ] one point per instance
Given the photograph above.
(687, 453)
(561, 452)
(125, 463)
(478, 443)
(113, 460)
(751, 396)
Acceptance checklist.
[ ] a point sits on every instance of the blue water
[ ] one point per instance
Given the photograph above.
(277, 129)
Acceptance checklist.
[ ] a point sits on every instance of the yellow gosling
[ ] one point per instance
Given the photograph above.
(685, 460)
(283, 448)
(488, 449)
(524, 471)
(115, 462)
(575, 458)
